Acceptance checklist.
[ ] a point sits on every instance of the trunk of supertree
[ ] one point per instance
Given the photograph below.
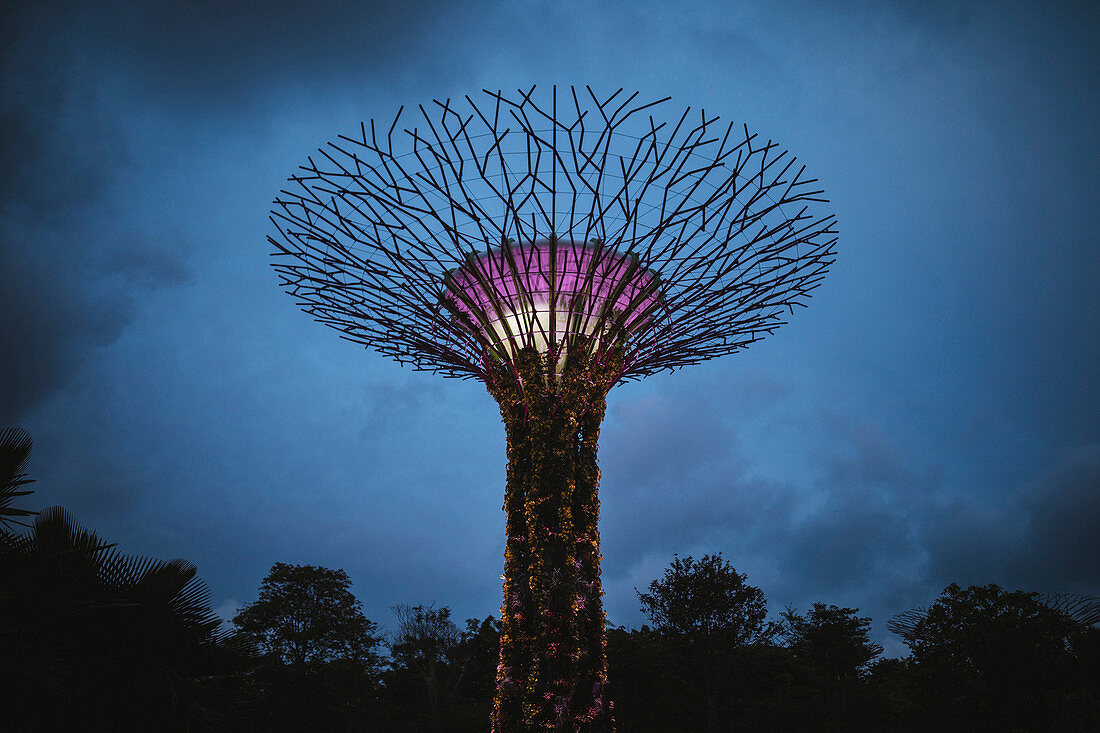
(553, 665)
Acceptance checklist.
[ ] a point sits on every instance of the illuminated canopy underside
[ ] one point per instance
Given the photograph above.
(553, 296)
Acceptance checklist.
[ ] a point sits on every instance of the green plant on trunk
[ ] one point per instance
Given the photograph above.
(553, 668)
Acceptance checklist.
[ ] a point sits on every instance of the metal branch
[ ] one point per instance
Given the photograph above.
(727, 227)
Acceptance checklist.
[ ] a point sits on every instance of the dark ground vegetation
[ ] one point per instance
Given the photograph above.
(93, 639)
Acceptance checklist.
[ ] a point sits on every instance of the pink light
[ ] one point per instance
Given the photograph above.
(547, 294)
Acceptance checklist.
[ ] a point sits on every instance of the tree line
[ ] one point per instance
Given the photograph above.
(93, 639)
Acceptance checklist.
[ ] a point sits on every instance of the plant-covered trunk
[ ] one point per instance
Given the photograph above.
(553, 666)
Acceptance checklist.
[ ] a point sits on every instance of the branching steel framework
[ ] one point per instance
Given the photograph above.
(552, 247)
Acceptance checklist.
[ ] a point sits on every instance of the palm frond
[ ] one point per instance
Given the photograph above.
(15, 451)
(56, 534)
(907, 624)
(1082, 608)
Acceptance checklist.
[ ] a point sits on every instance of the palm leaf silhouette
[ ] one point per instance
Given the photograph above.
(129, 641)
(15, 451)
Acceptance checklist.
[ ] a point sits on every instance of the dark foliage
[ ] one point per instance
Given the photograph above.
(707, 603)
(834, 647)
(426, 642)
(320, 667)
(91, 639)
(477, 655)
(710, 624)
(987, 659)
(983, 660)
(308, 615)
(94, 639)
(832, 641)
(441, 678)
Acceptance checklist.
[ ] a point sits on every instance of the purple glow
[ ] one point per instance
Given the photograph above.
(547, 293)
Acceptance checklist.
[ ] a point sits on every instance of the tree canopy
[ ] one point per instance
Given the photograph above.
(306, 615)
(95, 639)
(427, 641)
(1002, 658)
(709, 622)
(831, 640)
(707, 601)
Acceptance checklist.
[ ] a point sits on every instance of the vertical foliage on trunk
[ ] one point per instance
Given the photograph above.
(553, 667)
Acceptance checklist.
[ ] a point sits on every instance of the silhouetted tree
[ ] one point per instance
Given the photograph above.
(836, 646)
(426, 642)
(307, 615)
(894, 699)
(705, 612)
(440, 677)
(321, 662)
(477, 656)
(644, 682)
(93, 639)
(706, 602)
(989, 659)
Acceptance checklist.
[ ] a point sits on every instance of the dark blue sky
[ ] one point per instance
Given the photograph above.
(932, 417)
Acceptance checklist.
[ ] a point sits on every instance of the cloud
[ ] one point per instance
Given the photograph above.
(872, 525)
(78, 81)
(1064, 523)
(1040, 535)
(222, 56)
(228, 609)
(72, 274)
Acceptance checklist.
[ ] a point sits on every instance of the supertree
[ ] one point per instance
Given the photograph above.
(551, 248)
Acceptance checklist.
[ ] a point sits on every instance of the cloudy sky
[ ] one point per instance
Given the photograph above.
(931, 418)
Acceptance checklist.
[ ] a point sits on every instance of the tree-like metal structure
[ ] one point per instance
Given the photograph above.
(551, 248)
